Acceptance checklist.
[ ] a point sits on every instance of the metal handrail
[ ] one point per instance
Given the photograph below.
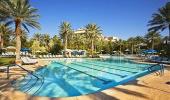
(161, 68)
(21, 68)
(41, 78)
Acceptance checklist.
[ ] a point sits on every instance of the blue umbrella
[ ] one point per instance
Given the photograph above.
(150, 51)
(25, 49)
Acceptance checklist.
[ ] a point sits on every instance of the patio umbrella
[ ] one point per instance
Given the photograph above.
(25, 49)
(114, 51)
(127, 50)
(3, 49)
(11, 48)
(150, 51)
(38, 51)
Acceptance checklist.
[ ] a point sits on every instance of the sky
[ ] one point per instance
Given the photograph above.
(120, 18)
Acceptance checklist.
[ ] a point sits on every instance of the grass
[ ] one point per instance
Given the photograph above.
(6, 61)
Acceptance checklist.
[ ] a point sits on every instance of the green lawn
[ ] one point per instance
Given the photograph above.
(6, 61)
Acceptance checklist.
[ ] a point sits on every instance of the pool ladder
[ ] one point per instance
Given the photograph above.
(29, 83)
(157, 68)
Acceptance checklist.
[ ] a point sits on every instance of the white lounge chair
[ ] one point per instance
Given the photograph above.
(27, 60)
(48, 56)
(44, 56)
(40, 56)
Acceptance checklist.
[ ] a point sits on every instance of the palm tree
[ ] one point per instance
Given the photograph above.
(78, 40)
(161, 19)
(46, 38)
(139, 42)
(92, 32)
(21, 14)
(38, 37)
(24, 40)
(4, 33)
(152, 37)
(131, 41)
(65, 30)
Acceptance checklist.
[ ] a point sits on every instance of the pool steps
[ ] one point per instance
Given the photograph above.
(27, 85)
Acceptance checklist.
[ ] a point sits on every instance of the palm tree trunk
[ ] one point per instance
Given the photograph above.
(132, 48)
(92, 47)
(1, 41)
(153, 44)
(120, 49)
(65, 46)
(139, 49)
(78, 46)
(18, 41)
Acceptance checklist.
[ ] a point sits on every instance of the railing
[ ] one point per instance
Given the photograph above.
(29, 81)
(30, 72)
(157, 68)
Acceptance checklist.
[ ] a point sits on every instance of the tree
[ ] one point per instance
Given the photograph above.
(153, 38)
(46, 41)
(21, 14)
(51, 44)
(37, 36)
(57, 46)
(120, 44)
(99, 45)
(24, 39)
(78, 40)
(165, 48)
(139, 42)
(5, 32)
(65, 30)
(131, 41)
(161, 19)
(92, 32)
(35, 46)
(110, 46)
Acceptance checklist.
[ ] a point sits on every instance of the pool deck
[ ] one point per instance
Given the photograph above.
(149, 87)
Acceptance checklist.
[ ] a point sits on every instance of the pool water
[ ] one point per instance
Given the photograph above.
(74, 77)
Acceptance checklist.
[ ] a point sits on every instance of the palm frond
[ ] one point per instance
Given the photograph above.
(161, 19)
(25, 26)
(10, 10)
(8, 23)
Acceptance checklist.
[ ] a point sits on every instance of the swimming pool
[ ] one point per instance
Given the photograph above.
(74, 77)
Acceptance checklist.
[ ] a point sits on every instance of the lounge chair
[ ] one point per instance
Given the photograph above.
(50, 56)
(163, 60)
(2, 69)
(33, 56)
(27, 60)
(45, 56)
(31, 59)
(40, 56)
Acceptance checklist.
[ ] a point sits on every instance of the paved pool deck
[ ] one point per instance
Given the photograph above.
(149, 87)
